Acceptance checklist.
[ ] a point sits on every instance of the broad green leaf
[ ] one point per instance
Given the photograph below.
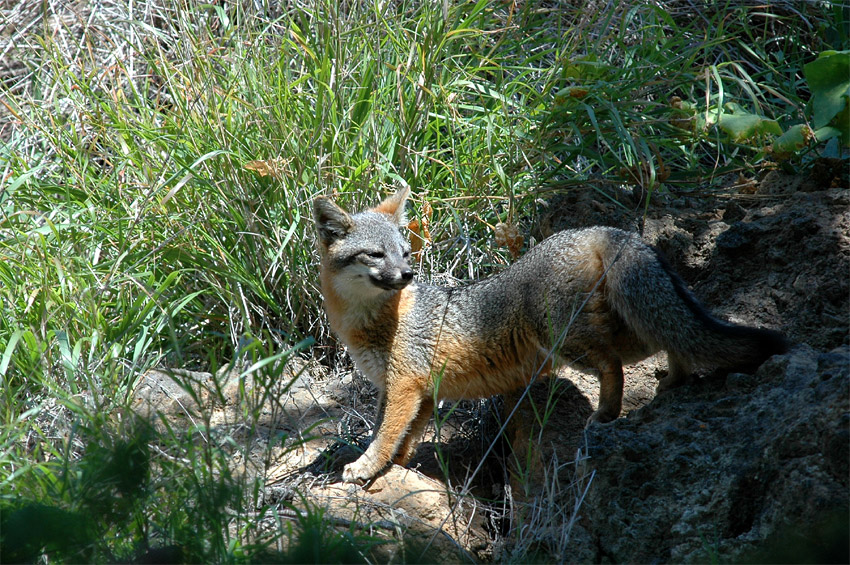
(795, 139)
(827, 133)
(829, 80)
(842, 122)
(742, 126)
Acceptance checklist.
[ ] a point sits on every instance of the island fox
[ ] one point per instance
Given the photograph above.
(596, 297)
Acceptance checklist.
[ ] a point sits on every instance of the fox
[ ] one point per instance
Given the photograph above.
(596, 297)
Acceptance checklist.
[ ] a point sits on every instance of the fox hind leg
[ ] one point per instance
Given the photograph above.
(610, 391)
(678, 374)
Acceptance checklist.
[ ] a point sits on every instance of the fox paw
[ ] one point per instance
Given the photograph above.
(669, 383)
(358, 472)
(603, 417)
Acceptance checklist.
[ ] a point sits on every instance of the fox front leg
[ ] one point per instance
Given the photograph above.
(402, 406)
(411, 440)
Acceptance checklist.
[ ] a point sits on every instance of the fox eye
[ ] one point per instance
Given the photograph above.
(406, 254)
(375, 254)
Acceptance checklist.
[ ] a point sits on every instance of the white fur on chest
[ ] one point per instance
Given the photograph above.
(372, 364)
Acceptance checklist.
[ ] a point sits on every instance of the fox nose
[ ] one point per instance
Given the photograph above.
(407, 275)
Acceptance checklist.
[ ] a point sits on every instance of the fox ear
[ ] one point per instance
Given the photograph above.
(393, 206)
(332, 222)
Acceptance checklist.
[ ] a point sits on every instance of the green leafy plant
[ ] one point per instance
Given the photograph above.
(829, 80)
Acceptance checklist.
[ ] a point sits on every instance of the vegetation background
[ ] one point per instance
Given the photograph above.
(158, 161)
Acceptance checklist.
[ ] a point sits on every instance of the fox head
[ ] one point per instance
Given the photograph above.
(364, 253)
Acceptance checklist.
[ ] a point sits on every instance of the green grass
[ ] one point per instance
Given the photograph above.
(158, 166)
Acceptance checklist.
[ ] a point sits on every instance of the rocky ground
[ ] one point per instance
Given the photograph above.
(730, 468)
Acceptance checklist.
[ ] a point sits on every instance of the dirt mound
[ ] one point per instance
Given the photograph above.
(779, 263)
(726, 466)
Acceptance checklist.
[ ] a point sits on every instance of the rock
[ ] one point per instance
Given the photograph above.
(410, 512)
(739, 237)
(175, 395)
(733, 212)
(722, 466)
(434, 525)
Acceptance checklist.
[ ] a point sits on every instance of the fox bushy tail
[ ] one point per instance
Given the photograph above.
(656, 304)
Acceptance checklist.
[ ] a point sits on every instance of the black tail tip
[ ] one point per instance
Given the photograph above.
(767, 343)
(774, 342)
